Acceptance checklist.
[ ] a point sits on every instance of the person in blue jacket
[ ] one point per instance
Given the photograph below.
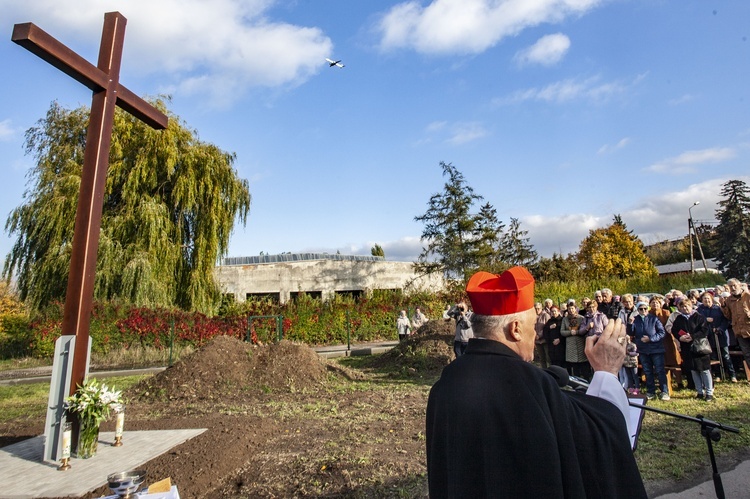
(648, 333)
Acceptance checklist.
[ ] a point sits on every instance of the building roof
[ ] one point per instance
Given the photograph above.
(296, 257)
(675, 268)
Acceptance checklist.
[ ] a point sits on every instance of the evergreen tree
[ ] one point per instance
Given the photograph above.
(733, 232)
(377, 250)
(557, 268)
(614, 251)
(516, 248)
(450, 229)
(490, 235)
(170, 204)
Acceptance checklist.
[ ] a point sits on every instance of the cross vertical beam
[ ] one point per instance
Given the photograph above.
(81, 279)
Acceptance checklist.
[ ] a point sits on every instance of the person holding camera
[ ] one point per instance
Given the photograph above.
(462, 315)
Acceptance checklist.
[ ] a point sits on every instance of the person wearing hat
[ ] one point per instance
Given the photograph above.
(499, 426)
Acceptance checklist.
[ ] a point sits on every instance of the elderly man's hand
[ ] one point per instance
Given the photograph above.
(607, 351)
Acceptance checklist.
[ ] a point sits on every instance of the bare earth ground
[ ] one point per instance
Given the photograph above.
(284, 423)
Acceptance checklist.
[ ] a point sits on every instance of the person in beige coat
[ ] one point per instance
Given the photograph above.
(736, 308)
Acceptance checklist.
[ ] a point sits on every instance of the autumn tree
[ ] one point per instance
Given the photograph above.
(614, 251)
(169, 207)
(733, 231)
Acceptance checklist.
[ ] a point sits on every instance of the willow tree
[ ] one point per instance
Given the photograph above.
(170, 204)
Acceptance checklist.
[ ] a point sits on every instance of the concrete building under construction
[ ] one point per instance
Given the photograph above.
(321, 275)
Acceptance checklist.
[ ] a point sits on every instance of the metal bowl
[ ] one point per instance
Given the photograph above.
(125, 484)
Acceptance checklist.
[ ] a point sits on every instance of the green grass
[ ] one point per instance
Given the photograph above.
(23, 363)
(29, 402)
(671, 448)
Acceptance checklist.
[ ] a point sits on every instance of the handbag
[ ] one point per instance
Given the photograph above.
(700, 346)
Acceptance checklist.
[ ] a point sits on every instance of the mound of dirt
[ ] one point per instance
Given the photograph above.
(421, 353)
(229, 369)
(437, 326)
(286, 366)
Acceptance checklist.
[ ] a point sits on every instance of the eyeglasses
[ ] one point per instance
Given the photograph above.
(642, 308)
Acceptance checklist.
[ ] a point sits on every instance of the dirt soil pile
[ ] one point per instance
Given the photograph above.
(423, 353)
(229, 369)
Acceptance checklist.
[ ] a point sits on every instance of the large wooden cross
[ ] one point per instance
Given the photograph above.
(104, 80)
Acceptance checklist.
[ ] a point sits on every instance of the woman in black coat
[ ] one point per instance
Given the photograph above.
(687, 327)
(555, 341)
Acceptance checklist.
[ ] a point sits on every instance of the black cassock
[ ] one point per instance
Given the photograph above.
(501, 427)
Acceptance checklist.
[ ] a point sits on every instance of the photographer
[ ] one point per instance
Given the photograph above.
(461, 314)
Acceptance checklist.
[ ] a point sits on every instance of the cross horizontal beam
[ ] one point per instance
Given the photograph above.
(37, 41)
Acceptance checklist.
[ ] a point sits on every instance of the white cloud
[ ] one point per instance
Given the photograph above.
(463, 133)
(6, 130)
(606, 148)
(566, 91)
(681, 100)
(469, 26)
(456, 134)
(219, 48)
(548, 50)
(653, 218)
(689, 160)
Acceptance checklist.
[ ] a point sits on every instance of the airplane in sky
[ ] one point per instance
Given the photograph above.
(334, 63)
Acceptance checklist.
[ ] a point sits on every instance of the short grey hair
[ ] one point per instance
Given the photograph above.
(493, 326)
(548, 302)
(733, 280)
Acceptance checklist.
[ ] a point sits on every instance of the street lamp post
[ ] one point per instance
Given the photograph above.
(691, 228)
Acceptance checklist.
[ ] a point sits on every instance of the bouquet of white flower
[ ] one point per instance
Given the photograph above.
(91, 404)
(93, 401)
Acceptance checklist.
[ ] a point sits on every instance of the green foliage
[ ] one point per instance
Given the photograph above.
(557, 268)
(666, 252)
(460, 241)
(733, 231)
(377, 250)
(169, 208)
(450, 229)
(614, 252)
(516, 248)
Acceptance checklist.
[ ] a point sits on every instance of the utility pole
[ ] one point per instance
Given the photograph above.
(690, 235)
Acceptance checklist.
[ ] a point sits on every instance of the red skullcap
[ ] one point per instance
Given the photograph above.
(507, 293)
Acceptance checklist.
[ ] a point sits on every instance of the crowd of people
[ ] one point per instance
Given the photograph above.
(492, 401)
(693, 330)
(498, 426)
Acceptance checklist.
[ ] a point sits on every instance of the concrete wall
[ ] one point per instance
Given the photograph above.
(324, 276)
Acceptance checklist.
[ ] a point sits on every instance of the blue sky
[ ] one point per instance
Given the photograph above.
(560, 113)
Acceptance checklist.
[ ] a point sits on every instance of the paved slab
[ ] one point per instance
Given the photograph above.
(23, 474)
(736, 484)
